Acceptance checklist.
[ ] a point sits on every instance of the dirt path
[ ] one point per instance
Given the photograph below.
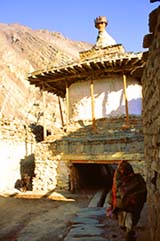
(45, 219)
(38, 219)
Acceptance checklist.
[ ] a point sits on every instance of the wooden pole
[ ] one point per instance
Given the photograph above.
(60, 108)
(72, 178)
(44, 114)
(67, 103)
(26, 140)
(125, 97)
(92, 105)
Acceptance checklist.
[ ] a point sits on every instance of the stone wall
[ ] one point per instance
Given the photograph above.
(50, 171)
(151, 121)
(16, 148)
(110, 51)
(110, 143)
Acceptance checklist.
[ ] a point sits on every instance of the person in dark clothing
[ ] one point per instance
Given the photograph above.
(128, 196)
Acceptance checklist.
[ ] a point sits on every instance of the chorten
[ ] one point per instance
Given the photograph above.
(103, 38)
(105, 45)
(101, 115)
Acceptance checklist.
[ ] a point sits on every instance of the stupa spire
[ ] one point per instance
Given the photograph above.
(103, 38)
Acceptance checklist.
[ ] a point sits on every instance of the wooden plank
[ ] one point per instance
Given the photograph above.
(95, 161)
(60, 108)
(107, 158)
(96, 199)
(107, 201)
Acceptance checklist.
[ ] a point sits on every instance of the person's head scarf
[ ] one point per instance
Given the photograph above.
(123, 170)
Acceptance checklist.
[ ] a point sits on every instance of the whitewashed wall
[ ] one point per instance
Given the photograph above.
(11, 154)
(109, 98)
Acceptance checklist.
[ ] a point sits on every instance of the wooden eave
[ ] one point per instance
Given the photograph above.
(55, 79)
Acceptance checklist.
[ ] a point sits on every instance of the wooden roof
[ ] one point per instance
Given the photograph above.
(55, 79)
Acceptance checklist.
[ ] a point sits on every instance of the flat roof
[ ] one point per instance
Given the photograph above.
(55, 79)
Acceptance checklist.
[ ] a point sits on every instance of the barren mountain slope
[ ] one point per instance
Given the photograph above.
(23, 50)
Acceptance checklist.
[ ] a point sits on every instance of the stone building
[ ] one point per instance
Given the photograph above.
(101, 123)
(151, 121)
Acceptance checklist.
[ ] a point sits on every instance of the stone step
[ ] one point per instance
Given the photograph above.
(121, 137)
(106, 124)
(92, 224)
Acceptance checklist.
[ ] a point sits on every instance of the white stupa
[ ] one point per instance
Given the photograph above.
(103, 38)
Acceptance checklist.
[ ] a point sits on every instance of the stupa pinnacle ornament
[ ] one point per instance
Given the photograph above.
(103, 38)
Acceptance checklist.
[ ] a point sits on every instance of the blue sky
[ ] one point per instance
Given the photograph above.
(128, 19)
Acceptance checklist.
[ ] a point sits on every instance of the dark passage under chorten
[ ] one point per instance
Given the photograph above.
(91, 176)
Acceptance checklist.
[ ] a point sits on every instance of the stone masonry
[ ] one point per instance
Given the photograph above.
(151, 121)
(112, 142)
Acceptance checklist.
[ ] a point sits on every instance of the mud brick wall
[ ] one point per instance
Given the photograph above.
(151, 121)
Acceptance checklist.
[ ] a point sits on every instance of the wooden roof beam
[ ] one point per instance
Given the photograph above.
(87, 66)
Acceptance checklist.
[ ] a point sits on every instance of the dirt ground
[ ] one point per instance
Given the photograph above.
(46, 217)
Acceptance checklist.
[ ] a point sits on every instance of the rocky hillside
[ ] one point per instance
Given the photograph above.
(23, 50)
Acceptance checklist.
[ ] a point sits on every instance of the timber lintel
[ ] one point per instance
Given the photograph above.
(102, 158)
